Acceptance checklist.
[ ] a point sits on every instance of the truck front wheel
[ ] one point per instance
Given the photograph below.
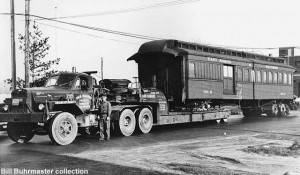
(127, 122)
(144, 120)
(63, 128)
(20, 132)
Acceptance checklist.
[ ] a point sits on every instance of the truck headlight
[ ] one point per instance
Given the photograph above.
(41, 106)
(5, 108)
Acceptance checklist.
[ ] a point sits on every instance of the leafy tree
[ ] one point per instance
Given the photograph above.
(38, 50)
(19, 82)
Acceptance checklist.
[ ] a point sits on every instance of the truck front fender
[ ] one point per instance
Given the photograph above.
(66, 107)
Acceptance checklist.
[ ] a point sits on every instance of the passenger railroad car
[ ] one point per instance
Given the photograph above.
(206, 77)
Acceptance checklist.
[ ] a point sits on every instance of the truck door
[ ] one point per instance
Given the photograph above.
(228, 82)
(83, 93)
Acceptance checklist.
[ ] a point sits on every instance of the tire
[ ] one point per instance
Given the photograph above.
(127, 122)
(63, 128)
(284, 110)
(144, 120)
(252, 112)
(21, 132)
(288, 109)
(247, 113)
(275, 111)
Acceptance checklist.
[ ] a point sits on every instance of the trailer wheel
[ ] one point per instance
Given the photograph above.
(63, 128)
(284, 110)
(247, 113)
(252, 112)
(144, 120)
(20, 132)
(275, 111)
(127, 122)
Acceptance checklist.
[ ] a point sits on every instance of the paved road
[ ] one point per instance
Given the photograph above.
(40, 153)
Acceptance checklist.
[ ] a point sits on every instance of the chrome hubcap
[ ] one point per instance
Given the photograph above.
(127, 121)
(65, 128)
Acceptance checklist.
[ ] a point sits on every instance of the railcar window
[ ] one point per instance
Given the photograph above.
(228, 71)
(212, 71)
(252, 78)
(264, 77)
(270, 77)
(258, 76)
(284, 78)
(275, 78)
(289, 78)
(225, 71)
(202, 70)
(218, 72)
(279, 78)
(247, 75)
(240, 74)
(192, 73)
(185, 46)
(192, 47)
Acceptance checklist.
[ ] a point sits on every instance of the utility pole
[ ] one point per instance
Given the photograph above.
(13, 46)
(102, 68)
(27, 54)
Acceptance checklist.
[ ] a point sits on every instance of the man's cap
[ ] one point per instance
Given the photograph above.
(103, 92)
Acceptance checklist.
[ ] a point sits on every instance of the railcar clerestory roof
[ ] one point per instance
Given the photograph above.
(180, 48)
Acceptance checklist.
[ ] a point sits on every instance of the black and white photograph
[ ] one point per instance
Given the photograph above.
(136, 87)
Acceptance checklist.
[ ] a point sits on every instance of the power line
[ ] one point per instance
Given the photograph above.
(159, 5)
(137, 35)
(133, 35)
(86, 34)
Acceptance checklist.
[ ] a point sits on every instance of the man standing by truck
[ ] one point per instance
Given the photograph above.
(104, 117)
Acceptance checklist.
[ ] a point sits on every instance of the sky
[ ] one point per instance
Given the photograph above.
(240, 23)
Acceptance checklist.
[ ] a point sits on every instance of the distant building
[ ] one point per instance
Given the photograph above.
(289, 54)
(295, 62)
(286, 52)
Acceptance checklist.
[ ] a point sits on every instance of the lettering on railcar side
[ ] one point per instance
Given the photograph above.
(219, 60)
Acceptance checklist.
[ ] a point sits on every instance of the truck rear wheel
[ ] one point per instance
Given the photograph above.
(144, 120)
(284, 110)
(127, 122)
(63, 128)
(20, 132)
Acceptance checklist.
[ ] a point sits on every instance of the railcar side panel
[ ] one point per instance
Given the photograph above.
(273, 92)
(265, 91)
(205, 89)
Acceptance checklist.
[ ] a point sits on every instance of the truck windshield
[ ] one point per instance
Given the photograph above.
(63, 80)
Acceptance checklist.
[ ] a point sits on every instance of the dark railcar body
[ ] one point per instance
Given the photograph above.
(188, 72)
